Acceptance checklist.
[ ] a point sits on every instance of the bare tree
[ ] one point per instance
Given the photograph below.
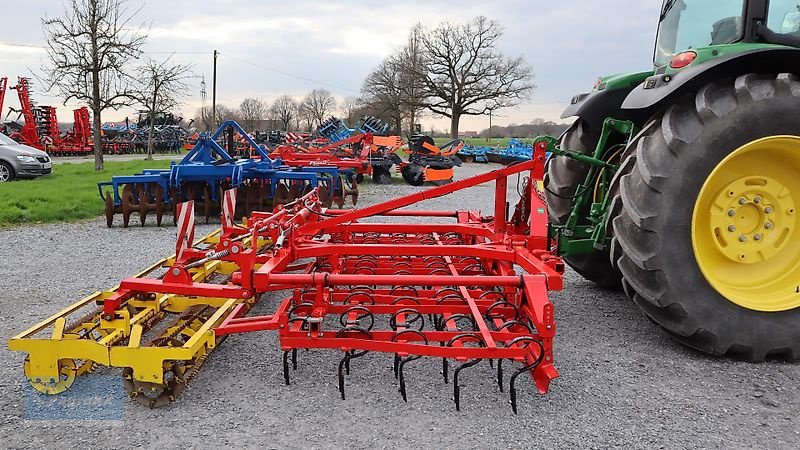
(162, 85)
(252, 110)
(412, 87)
(88, 50)
(465, 74)
(382, 93)
(226, 113)
(284, 110)
(317, 105)
(349, 107)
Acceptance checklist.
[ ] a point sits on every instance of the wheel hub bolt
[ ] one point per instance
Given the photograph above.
(731, 228)
(742, 200)
(757, 237)
(731, 213)
(757, 200)
(768, 210)
(768, 225)
(742, 238)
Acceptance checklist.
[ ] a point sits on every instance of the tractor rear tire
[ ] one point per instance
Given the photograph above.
(688, 164)
(564, 176)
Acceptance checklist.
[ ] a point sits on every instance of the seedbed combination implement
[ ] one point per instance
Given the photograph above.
(344, 282)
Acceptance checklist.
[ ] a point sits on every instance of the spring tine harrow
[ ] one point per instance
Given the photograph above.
(446, 288)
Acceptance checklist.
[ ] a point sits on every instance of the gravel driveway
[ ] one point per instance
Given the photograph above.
(623, 382)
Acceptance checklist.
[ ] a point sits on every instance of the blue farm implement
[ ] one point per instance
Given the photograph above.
(209, 169)
(470, 154)
(516, 151)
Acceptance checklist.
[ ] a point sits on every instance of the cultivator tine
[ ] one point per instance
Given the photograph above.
(286, 367)
(500, 374)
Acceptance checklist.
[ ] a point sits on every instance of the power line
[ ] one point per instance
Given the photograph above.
(291, 75)
(16, 44)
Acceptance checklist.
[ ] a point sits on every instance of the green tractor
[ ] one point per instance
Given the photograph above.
(681, 184)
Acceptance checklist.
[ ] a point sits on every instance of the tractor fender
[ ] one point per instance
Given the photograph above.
(663, 89)
(594, 107)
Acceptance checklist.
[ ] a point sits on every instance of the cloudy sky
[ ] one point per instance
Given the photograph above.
(269, 48)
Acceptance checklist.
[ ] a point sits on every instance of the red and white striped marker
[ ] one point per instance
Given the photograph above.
(185, 228)
(228, 207)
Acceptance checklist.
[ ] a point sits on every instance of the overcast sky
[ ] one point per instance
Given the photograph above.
(334, 45)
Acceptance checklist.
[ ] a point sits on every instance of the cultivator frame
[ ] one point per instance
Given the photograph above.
(446, 290)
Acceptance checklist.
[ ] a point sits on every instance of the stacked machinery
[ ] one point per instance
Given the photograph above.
(208, 169)
(40, 129)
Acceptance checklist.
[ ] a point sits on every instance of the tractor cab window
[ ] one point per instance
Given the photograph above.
(690, 24)
(784, 16)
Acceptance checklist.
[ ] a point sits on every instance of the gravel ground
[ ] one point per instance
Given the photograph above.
(623, 382)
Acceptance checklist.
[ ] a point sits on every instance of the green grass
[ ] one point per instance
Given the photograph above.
(68, 194)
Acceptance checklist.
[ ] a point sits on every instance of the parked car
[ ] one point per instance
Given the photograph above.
(21, 161)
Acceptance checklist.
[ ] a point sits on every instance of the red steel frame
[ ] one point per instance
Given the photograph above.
(446, 290)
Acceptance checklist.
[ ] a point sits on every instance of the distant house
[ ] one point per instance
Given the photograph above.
(467, 134)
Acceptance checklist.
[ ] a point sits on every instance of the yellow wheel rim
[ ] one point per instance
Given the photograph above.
(745, 225)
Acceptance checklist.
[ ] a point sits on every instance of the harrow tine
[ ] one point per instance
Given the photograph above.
(402, 377)
(512, 388)
(286, 367)
(345, 363)
(444, 370)
(294, 359)
(456, 387)
(500, 374)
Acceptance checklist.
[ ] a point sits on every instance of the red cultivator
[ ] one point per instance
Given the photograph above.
(447, 290)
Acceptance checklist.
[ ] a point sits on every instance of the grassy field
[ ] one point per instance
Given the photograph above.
(68, 194)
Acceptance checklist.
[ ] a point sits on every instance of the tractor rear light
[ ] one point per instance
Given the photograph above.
(682, 60)
(597, 83)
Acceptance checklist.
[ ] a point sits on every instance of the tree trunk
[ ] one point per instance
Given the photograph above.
(413, 118)
(97, 123)
(454, 124)
(151, 135)
(151, 132)
(398, 120)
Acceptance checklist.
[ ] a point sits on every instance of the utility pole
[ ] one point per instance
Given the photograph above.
(214, 95)
(490, 125)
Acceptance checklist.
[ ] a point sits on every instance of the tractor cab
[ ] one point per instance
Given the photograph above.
(687, 26)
